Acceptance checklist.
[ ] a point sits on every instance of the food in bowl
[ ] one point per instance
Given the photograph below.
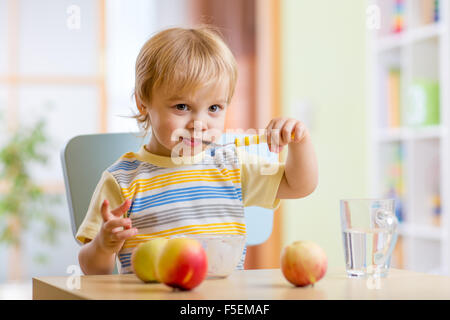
(224, 251)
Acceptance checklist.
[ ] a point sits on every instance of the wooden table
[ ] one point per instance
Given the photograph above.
(262, 284)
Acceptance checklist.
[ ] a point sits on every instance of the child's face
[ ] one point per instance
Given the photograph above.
(174, 119)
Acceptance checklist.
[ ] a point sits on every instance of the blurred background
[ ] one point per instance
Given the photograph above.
(364, 76)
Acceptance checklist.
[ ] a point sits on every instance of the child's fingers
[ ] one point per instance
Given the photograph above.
(276, 132)
(116, 223)
(105, 210)
(286, 131)
(125, 234)
(273, 135)
(299, 132)
(269, 134)
(122, 209)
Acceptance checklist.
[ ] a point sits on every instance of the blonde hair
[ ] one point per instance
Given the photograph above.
(179, 60)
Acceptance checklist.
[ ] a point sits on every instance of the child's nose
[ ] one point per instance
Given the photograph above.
(198, 126)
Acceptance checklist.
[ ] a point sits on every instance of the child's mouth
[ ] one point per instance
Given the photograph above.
(191, 141)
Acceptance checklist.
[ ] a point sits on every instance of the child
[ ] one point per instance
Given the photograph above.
(175, 184)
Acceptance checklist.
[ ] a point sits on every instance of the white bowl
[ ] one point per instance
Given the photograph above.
(224, 251)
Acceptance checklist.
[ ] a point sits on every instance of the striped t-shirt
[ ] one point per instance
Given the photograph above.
(186, 195)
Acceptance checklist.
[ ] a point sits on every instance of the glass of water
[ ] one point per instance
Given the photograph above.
(369, 234)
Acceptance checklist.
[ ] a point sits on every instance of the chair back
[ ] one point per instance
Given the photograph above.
(85, 157)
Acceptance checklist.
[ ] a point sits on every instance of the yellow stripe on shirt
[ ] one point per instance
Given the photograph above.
(135, 244)
(142, 189)
(129, 155)
(219, 228)
(164, 177)
(129, 192)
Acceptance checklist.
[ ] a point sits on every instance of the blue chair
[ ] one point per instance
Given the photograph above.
(82, 173)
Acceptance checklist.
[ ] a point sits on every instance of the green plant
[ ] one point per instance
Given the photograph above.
(23, 202)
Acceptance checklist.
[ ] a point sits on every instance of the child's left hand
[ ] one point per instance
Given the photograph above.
(282, 131)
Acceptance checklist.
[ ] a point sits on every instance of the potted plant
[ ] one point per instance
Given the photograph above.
(23, 202)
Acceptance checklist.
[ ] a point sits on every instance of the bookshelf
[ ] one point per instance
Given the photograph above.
(409, 121)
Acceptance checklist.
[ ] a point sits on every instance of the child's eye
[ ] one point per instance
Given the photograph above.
(181, 107)
(215, 108)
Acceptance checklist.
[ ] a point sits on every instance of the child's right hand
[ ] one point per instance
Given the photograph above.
(115, 229)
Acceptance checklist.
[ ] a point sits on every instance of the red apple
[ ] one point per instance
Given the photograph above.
(303, 263)
(145, 257)
(182, 264)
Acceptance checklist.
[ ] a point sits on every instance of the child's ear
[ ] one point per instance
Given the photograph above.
(142, 109)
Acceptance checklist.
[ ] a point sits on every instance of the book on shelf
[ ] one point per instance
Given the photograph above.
(436, 10)
(394, 181)
(429, 10)
(398, 16)
(436, 210)
(422, 107)
(398, 254)
(433, 180)
(393, 98)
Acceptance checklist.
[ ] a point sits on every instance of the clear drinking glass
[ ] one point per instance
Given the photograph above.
(369, 234)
